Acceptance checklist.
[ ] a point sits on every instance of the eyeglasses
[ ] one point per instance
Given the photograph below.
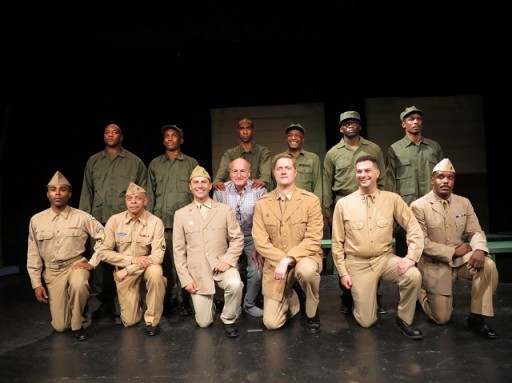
(238, 213)
(348, 123)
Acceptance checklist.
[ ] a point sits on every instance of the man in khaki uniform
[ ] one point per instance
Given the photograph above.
(134, 243)
(446, 219)
(287, 231)
(56, 245)
(207, 242)
(362, 248)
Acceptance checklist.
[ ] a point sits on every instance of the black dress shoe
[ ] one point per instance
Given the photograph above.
(381, 309)
(80, 334)
(313, 324)
(106, 310)
(409, 331)
(151, 330)
(185, 310)
(477, 324)
(346, 306)
(170, 306)
(231, 330)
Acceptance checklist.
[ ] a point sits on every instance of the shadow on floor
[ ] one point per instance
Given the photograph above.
(30, 351)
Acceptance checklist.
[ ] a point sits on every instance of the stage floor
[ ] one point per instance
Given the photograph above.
(30, 351)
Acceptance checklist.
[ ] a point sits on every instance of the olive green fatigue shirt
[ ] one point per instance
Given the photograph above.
(410, 165)
(167, 186)
(259, 157)
(58, 240)
(339, 177)
(309, 172)
(106, 180)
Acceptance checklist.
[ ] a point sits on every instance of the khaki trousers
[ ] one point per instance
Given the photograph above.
(68, 291)
(204, 305)
(130, 302)
(276, 313)
(483, 286)
(366, 273)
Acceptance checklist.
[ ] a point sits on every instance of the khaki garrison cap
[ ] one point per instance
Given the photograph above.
(444, 166)
(58, 179)
(134, 189)
(199, 171)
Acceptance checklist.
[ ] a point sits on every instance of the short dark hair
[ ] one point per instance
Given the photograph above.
(368, 157)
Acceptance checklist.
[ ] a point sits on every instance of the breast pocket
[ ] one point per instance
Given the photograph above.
(73, 241)
(299, 224)
(44, 236)
(271, 225)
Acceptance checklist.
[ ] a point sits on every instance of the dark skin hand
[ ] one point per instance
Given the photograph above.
(41, 294)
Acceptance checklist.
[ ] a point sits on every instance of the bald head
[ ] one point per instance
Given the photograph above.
(239, 172)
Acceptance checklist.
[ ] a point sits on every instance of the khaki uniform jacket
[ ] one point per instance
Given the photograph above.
(443, 232)
(198, 244)
(55, 240)
(126, 238)
(297, 233)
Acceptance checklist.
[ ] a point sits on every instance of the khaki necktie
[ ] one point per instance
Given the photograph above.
(446, 205)
(203, 210)
(282, 203)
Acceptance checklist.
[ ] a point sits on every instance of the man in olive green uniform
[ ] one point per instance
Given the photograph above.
(56, 249)
(258, 156)
(168, 191)
(409, 165)
(107, 175)
(309, 166)
(339, 177)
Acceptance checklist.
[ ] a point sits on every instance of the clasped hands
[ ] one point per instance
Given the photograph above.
(143, 261)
